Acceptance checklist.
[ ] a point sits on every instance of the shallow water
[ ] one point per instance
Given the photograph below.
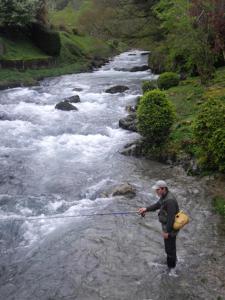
(54, 162)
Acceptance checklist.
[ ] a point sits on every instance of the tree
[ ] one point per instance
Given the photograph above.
(194, 34)
(127, 19)
(17, 12)
(42, 12)
(208, 130)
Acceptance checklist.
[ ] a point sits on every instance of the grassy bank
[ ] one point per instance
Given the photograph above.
(68, 17)
(187, 98)
(76, 55)
(219, 205)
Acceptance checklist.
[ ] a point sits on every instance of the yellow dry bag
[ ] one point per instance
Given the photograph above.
(180, 220)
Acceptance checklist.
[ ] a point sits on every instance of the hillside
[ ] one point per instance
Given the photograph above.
(65, 14)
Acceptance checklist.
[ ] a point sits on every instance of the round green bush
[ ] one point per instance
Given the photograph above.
(167, 80)
(155, 116)
(208, 128)
(217, 147)
(149, 86)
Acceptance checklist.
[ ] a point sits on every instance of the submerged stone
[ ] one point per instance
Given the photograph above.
(129, 122)
(117, 89)
(73, 99)
(66, 106)
(125, 189)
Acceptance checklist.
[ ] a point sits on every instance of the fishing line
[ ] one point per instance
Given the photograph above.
(117, 213)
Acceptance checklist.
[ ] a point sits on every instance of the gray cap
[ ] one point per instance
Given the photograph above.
(159, 184)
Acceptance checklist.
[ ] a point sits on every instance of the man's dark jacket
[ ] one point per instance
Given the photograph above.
(168, 208)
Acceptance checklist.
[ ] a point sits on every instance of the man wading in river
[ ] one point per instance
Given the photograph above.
(168, 208)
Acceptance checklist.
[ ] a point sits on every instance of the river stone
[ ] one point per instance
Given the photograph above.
(117, 89)
(73, 99)
(65, 105)
(139, 69)
(130, 108)
(145, 53)
(3, 116)
(125, 189)
(133, 149)
(129, 122)
(77, 89)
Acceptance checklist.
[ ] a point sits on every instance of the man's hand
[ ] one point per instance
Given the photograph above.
(165, 235)
(142, 211)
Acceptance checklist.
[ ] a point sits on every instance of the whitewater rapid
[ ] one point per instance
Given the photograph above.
(57, 163)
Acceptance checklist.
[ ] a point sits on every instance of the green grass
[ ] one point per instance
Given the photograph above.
(187, 98)
(21, 49)
(74, 45)
(30, 77)
(219, 205)
(76, 55)
(68, 17)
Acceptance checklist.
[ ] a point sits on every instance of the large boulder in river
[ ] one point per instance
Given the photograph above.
(4, 116)
(133, 149)
(139, 69)
(129, 122)
(66, 106)
(117, 89)
(125, 189)
(73, 99)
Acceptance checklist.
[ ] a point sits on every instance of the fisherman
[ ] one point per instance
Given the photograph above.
(168, 208)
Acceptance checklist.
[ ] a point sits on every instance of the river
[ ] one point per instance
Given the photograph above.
(54, 162)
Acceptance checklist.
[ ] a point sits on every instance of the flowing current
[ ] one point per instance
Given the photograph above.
(54, 162)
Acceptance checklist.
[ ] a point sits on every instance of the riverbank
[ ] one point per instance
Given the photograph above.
(181, 148)
(31, 77)
(78, 54)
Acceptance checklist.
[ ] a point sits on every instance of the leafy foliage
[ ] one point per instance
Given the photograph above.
(209, 133)
(167, 80)
(149, 85)
(17, 12)
(219, 205)
(192, 37)
(155, 116)
(45, 39)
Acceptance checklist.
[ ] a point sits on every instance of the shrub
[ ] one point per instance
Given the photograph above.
(219, 204)
(217, 147)
(46, 39)
(208, 128)
(155, 116)
(149, 85)
(167, 80)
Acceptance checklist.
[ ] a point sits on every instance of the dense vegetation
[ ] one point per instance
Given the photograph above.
(186, 39)
(155, 117)
(187, 48)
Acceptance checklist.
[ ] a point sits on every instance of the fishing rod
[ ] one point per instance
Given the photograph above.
(116, 213)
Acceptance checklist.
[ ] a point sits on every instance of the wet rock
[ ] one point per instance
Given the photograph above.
(77, 89)
(66, 106)
(129, 122)
(73, 99)
(3, 116)
(132, 54)
(134, 69)
(139, 69)
(133, 149)
(125, 189)
(117, 89)
(98, 62)
(130, 108)
(145, 53)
